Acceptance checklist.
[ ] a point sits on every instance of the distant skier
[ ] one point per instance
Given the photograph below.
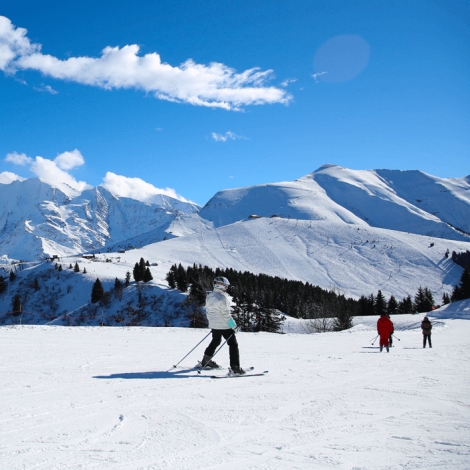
(426, 327)
(384, 329)
(390, 340)
(222, 325)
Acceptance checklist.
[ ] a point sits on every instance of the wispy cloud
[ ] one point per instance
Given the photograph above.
(288, 81)
(317, 76)
(46, 89)
(215, 85)
(227, 136)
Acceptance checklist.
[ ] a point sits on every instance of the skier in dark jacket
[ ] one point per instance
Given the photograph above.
(426, 326)
(384, 329)
(390, 340)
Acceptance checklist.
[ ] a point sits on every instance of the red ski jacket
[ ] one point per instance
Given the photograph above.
(384, 326)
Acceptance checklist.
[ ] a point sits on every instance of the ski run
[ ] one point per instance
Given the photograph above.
(107, 398)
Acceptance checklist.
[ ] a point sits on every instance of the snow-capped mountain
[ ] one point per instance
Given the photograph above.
(348, 230)
(408, 201)
(37, 219)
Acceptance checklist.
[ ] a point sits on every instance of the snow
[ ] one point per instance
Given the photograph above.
(108, 398)
(354, 260)
(409, 201)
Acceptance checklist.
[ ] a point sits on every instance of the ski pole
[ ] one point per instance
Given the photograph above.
(193, 349)
(375, 340)
(396, 337)
(223, 344)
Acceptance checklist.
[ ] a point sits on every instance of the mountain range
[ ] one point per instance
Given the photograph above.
(37, 219)
(356, 231)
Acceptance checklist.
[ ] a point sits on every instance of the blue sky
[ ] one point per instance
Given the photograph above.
(190, 97)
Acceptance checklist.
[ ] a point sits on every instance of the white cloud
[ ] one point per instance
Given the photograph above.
(69, 160)
(18, 158)
(7, 177)
(50, 172)
(53, 172)
(13, 43)
(227, 136)
(215, 85)
(136, 188)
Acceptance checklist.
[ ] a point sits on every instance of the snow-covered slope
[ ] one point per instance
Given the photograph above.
(108, 398)
(357, 260)
(37, 219)
(409, 201)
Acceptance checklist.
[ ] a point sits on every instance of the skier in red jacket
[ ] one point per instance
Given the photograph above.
(384, 329)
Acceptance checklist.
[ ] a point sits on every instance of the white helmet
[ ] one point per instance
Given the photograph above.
(221, 281)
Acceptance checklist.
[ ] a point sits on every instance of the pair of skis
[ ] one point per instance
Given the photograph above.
(231, 375)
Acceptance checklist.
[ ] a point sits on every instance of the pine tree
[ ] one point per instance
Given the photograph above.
(380, 306)
(197, 294)
(136, 273)
(344, 317)
(3, 285)
(128, 278)
(267, 319)
(36, 284)
(70, 266)
(84, 270)
(59, 268)
(171, 277)
(76, 267)
(147, 275)
(462, 291)
(406, 305)
(142, 268)
(423, 300)
(445, 298)
(392, 306)
(244, 312)
(117, 284)
(12, 276)
(97, 291)
(181, 279)
(16, 305)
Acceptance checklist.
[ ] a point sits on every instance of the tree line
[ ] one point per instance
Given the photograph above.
(258, 297)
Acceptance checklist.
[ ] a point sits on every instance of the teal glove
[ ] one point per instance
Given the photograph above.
(232, 324)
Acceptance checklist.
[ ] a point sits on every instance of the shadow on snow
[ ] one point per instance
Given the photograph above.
(180, 374)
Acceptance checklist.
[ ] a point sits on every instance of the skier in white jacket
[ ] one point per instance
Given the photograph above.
(222, 325)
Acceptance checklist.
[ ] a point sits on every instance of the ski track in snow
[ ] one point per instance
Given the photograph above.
(102, 398)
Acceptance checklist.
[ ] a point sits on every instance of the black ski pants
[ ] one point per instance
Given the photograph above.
(429, 340)
(232, 345)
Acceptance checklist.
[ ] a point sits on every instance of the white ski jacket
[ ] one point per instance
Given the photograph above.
(218, 311)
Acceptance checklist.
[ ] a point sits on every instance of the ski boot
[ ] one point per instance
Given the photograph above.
(208, 363)
(237, 370)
